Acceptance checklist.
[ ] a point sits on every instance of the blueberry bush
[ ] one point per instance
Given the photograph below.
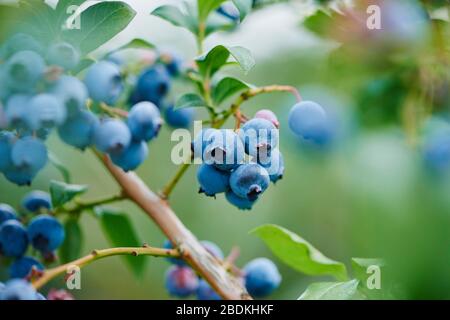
(114, 105)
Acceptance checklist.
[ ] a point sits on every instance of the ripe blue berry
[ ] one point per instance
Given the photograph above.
(229, 11)
(20, 176)
(22, 267)
(112, 136)
(226, 151)
(437, 152)
(7, 213)
(175, 261)
(78, 130)
(36, 201)
(29, 152)
(268, 115)
(205, 292)
(45, 111)
(309, 120)
(213, 249)
(173, 63)
(131, 157)
(72, 92)
(249, 181)
(16, 111)
(2, 286)
(240, 203)
(63, 54)
(259, 136)
(153, 85)
(4, 90)
(6, 142)
(20, 42)
(23, 70)
(13, 239)
(104, 82)
(212, 180)
(261, 277)
(274, 164)
(45, 233)
(181, 118)
(181, 281)
(201, 142)
(144, 121)
(18, 289)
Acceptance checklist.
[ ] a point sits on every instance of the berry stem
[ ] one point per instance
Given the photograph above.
(113, 111)
(167, 190)
(83, 206)
(50, 274)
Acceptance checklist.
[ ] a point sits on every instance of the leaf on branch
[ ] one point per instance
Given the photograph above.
(73, 242)
(136, 44)
(218, 56)
(244, 7)
(227, 87)
(120, 232)
(99, 24)
(206, 6)
(60, 167)
(298, 253)
(62, 193)
(319, 23)
(332, 291)
(176, 17)
(190, 100)
(82, 65)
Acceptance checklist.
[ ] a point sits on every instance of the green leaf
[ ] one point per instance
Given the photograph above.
(190, 100)
(298, 253)
(99, 24)
(73, 242)
(332, 291)
(82, 65)
(206, 6)
(319, 23)
(360, 266)
(218, 56)
(244, 7)
(60, 167)
(176, 17)
(217, 22)
(120, 233)
(62, 192)
(226, 88)
(136, 44)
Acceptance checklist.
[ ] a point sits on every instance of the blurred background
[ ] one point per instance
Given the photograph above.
(368, 192)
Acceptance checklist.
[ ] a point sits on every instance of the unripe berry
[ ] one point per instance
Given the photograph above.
(213, 249)
(61, 294)
(36, 201)
(72, 92)
(259, 136)
(45, 111)
(181, 118)
(29, 152)
(153, 85)
(63, 54)
(18, 289)
(181, 281)
(78, 131)
(261, 277)
(268, 115)
(22, 267)
(238, 202)
(13, 239)
(205, 292)
(7, 213)
(104, 82)
(46, 233)
(249, 181)
(212, 180)
(112, 136)
(23, 70)
(131, 157)
(144, 121)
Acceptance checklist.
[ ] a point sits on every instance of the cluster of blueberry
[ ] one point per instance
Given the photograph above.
(242, 163)
(44, 232)
(260, 276)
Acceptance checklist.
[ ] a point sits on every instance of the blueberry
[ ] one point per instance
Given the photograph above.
(21, 42)
(205, 292)
(226, 151)
(29, 152)
(259, 136)
(45, 111)
(23, 70)
(229, 11)
(42, 133)
(63, 54)
(2, 286)
(131, 157)
(16, 111)
(175, 261)
(181, 281)
(309, 120)
(153, 84)
(6, 143)
(72, 92)
(20, 176)
(13, 239)
(45, 233)
(240, 203)
(181, 118)
(144, 121)
(173, 63)
(36, 201)
(60, 294)
(7, 213)
(274, 164)
(212, 180)
(213, 249)
(40, 296)
(261, 277)
(202, 141)
(437, 152)
(104, 82)
(268, 115)
(4, 90)
(18, 289)
(78, 130)
(22, 267)
(249, 181)
(112, 136)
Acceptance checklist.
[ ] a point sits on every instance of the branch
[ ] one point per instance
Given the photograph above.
(227, 285)
(87, 205)
(50, 274)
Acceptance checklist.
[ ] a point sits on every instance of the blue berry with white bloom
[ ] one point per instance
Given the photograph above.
(13, 239)
(226, 151)
(45, 233)
(181, 281)
(213, 249)
(144, 121)
(153, 85)
(29, 152)
(36, 201)
(45, 111)
(21, 176)
(249, 181)
(212, 180)
(7, 213)
(238, 202)
(72, 92)
(78, 130)
(261, 277)
(16, 111)
(104, 82)
(131, 157)
(274, 164)
(23, 70)
(18, 289)
(112, 136)
(259, 136)
(22, 267)
(63, 54)
(181, 118)
(205, 292)
(20, 42)
(6, 143)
